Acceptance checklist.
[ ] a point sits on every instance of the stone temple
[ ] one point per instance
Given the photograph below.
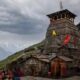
(58, 54)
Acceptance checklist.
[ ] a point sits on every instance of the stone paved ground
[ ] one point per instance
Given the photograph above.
(38, 78)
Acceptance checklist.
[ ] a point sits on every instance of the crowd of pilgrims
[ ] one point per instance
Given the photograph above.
(16, 74)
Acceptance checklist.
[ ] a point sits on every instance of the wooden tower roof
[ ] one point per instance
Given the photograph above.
(67, 12)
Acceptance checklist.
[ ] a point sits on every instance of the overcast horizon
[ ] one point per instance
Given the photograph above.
(24, 22)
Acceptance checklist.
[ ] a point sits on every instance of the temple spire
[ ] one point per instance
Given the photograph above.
(61, 5)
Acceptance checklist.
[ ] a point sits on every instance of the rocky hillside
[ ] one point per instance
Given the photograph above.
(28, 51)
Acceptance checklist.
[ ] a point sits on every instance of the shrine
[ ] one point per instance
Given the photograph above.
(60, 52)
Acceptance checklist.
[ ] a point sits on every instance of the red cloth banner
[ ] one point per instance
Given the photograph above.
(67, 39)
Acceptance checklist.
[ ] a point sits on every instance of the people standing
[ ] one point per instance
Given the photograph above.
(1, 75)
(21, 74)
(15, 74)
(10, 74)
(5, 77)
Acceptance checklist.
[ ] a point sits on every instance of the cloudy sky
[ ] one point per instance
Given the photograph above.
(24, 22)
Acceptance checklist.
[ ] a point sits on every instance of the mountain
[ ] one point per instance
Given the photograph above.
(27, 51)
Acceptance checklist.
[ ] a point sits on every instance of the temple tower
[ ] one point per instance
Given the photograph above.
(60, 30)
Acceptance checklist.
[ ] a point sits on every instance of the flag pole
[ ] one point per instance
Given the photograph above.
(61, 5)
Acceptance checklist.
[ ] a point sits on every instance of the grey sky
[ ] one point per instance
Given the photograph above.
(24, 22)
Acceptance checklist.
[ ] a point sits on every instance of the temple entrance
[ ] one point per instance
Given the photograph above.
(55, 69)
(58, 69)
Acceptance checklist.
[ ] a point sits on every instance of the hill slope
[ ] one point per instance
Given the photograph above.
(28, 51)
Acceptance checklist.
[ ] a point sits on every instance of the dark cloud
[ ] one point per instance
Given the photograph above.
(23, 24)
(31, 19)
(27, 26)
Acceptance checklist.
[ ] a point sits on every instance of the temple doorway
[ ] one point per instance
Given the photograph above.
(55, 69)
(58, 68)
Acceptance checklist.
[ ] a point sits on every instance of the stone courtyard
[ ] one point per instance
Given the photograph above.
(38, 78)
